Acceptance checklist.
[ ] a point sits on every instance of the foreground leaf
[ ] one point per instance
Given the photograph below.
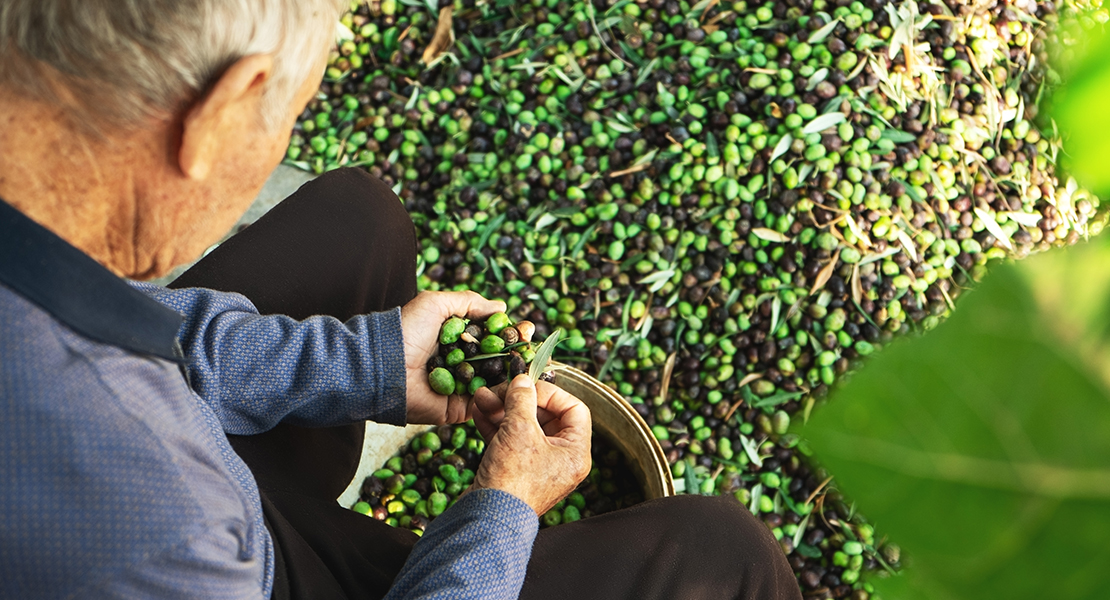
(1081, 114)
(983, 449)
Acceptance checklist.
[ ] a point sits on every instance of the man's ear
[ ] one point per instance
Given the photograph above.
(234, 101)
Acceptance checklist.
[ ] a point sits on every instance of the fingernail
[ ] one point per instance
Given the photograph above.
(521, 382)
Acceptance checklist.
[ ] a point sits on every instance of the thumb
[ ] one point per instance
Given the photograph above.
(520, 399)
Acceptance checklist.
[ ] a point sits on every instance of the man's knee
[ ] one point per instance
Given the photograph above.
(721, 521)
(364, 197)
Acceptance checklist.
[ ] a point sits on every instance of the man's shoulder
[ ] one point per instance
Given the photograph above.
(105, 456)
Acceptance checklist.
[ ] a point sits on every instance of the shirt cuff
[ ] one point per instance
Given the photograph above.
(478, 549)
(501, 507)
(387, 338)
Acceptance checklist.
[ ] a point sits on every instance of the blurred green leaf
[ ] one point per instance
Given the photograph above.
(983, 449)
(1081, 112)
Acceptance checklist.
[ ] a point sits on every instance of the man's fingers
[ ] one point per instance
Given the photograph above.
(571, 414)
(471, 304)
(520, 399)
(484, 426)
(489, 405)
(457, 408)
(576, 423)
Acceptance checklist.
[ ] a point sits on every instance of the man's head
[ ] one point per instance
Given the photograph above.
(211, 86)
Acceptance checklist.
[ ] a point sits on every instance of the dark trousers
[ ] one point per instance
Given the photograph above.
(343, 245)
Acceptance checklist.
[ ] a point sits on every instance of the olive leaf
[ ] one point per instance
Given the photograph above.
(1080, 112)
(819, 36)
(782, 147)
(543, 355)
(880, 256)
(897, 136)
(983, 448)
(777, 399)
(1026, 219)
(815, 79)
(757, 495)
(907, 244)
(823, 122)
(770, 235)
(992, 226)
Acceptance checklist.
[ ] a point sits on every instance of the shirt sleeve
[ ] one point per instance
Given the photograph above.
(478, 549)
(256, 370)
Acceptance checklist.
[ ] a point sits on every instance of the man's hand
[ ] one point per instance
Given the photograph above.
(538, 442)
(421, 320)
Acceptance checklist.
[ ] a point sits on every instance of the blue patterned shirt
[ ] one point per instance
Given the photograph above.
(116, 478)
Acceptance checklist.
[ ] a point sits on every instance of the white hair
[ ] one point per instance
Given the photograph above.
(120, 61)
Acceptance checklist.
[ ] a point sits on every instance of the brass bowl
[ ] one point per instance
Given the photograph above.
(615, 418)
(612, 415)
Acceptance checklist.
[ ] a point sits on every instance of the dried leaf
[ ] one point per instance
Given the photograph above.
(444, 35)
(770, 235)
(668, 369)
(750, 377)
(825, 274)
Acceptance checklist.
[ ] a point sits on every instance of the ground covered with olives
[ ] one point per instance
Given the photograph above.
(432, 471)
(727, 205)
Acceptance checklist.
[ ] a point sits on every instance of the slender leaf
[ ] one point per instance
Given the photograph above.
(815, 79)
(782, 146)
(646, 71)
(770, 235)
(545, 220)
(777, 399)
(491, 227)
(485, 356)
(1026, 219)
(543, 355)
(582, 241)
(751, 448)
(819, 36)
(897, 136)
(823, 122)
(757, 495)
(657, 277)
(992, 226)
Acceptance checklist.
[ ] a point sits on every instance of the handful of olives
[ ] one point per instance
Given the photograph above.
(475, 353)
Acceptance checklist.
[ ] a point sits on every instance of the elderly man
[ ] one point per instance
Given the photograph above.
(190, 442)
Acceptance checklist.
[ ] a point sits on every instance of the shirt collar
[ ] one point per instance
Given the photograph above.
(81, 293)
